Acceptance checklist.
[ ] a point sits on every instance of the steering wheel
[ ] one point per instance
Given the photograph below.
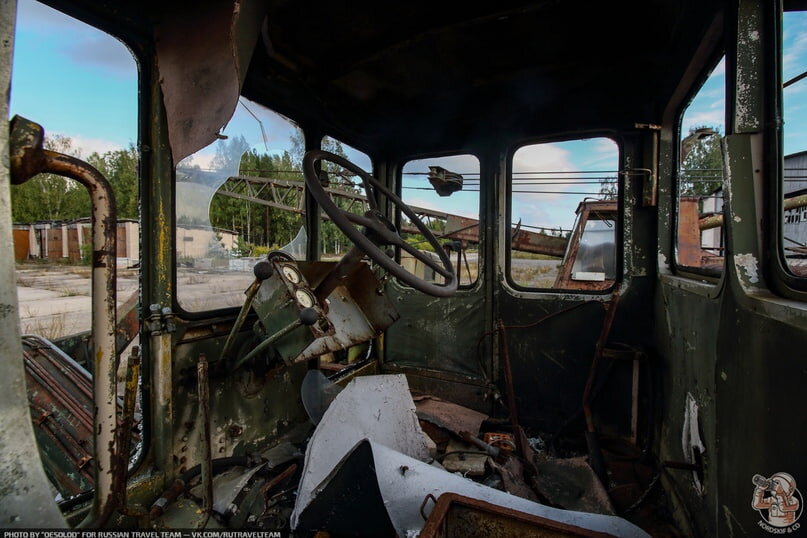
(378, 230)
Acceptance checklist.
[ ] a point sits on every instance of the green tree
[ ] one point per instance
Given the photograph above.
(701, 171)
(608, 188)
(259, 224)
(53, 197)
(120, 167)
(48, 196)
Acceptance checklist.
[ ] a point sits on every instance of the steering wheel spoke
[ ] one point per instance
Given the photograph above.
(379, 231)
(423, 257)
(360, 220)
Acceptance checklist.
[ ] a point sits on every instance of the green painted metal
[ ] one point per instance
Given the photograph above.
(157, 259)
(278, 310)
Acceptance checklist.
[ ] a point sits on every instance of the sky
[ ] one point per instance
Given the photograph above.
(79, 82)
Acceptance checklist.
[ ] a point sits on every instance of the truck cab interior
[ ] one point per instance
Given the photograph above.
(431, 348)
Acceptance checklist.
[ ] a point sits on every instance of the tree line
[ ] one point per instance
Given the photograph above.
(49, 197)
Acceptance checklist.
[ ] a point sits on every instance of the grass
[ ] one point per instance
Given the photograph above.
(519, 255)
(541, 276)
(84, 272)
(52, 328)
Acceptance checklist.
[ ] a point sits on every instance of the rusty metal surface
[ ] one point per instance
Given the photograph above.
(26, 140)
(239, 320)
(716, 221)
(357, 311)
(104, 292)
(527, 241)
(104, 316)
(60, 396)
(457, 516)
(454, 418)
(203, 49)
(595, 454)
(689, 233)
(204, 439)
(586, 211)
(60, 400)
(126, 433)
(510, 391)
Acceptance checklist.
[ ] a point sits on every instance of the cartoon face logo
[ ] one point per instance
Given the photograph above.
(777, 500)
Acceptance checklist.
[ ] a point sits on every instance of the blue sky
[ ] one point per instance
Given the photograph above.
(73, 79)
(79, 82)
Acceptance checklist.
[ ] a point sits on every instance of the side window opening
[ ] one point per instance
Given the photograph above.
(444, 192)
(794, 112)
(699, 234)
(563, 213)
(80, 84)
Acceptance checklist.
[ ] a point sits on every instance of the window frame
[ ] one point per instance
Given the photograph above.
(709, 276)
(398, 175)
(782, 280)
(619, 231)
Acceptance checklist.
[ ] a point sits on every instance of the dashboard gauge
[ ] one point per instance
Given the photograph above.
(291, 274)
(304, 298)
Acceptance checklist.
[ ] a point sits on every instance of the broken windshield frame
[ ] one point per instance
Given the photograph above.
(224, 222)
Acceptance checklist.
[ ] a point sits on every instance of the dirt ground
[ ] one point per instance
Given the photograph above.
(55, 299)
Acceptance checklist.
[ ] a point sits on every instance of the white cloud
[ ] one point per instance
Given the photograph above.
(542, 158)
(105, 52)
(551, 206)
(712, 117)
(83, 146)
(604, 154)
(461, 164)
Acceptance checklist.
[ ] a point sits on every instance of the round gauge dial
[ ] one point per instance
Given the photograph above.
(305, 298)
(291, 274)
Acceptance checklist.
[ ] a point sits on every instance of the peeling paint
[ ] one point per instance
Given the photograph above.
(748, 263)
(691, 438)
